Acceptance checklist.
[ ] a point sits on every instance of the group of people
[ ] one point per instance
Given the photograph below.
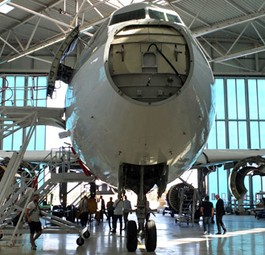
(115, 211)
(87, 208)
(207, 212)
(118, 211)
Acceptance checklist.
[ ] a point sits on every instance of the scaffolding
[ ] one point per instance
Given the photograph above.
(17, 187)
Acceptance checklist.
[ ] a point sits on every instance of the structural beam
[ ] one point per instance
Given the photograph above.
(229, 23)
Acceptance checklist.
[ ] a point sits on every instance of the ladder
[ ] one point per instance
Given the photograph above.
(188, 197)
(14, 195)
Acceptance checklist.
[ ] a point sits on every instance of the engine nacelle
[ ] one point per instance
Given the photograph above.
(256, 165)
(180, 197)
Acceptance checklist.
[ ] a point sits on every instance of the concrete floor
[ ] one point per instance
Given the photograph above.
(245, 236)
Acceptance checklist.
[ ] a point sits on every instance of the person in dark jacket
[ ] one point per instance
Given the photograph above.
(220, 212)
(207, 212)
(110, 213)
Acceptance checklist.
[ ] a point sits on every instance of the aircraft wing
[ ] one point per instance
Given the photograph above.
(22, 116)
(219, 157)
(31, 156)
(242, 163)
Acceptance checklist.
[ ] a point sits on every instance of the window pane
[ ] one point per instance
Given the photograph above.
(137, 14)
(256, 179)
(19, 90)
(246, 182)
(242, 134)
(31, 145)
(222, 183)
(41, 133)
(17, 138)
(221, 137)
(220, 106)
(262, 134)
(231, 99)
(9, 92)
(254, 135)
(241, 98)
(23, 90)
(261, 97)
(213, 185)
(212, 138)
(233, 135)
(263, 182)
(173, 18)
(7, 143)
(42, 90)
(30, 95)
(156, 15)
(252, 97)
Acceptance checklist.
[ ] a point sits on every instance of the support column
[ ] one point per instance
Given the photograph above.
(251, 191)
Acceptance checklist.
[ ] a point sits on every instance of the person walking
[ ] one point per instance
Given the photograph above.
(102, 207)
(220, 212)
(127, 208)
(207, 212)
(33, 213)
(118, 212)
(92, 207)
(83, 210)
(110, 213)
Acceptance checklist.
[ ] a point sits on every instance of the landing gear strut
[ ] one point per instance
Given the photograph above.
(146, 228)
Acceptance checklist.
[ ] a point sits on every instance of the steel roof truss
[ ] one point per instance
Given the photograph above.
(260, 37)
(236, 40)
(229, 23)
(41, 15)
(33, 33)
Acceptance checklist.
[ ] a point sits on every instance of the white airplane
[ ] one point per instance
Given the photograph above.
(139, 105)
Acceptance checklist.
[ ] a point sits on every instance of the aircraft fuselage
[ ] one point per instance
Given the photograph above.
(141, 94)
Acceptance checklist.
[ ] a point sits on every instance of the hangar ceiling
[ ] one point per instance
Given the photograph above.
(231, 32)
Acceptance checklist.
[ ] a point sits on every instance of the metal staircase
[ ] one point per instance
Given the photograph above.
(17, 187)
(188, 197)
(17, 191)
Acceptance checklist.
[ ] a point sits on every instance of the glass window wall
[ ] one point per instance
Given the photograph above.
(240, 124)
(240, 118)
(21, 91)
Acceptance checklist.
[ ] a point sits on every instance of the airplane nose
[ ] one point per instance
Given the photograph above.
(149, 63)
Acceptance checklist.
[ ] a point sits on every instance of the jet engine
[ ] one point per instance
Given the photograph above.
(256, 165)
(180, 197)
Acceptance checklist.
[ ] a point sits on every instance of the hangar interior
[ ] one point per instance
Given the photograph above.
(230, 33)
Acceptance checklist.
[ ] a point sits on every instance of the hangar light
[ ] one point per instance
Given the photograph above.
(4, 7)
(2, 2)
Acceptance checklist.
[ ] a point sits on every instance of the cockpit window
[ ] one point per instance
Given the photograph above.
(156, 15)
(132, 15)
(173, 18)
(163, 16)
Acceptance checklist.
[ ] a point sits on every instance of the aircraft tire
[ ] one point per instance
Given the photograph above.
(86, 234)
(150, 236)
(131, 234)
(80, 241)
